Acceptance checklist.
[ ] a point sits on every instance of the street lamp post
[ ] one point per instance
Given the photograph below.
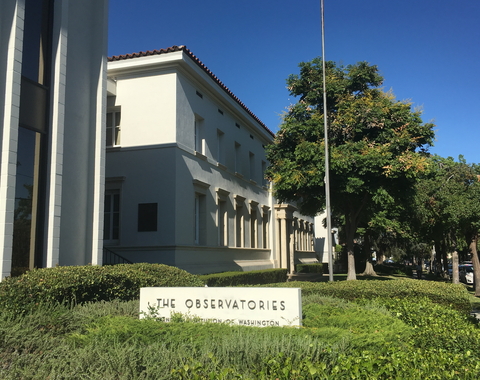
(327, 167)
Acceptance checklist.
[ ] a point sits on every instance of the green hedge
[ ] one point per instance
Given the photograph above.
(255, 277)
(79, 284)
(454, 296)
(309, 268)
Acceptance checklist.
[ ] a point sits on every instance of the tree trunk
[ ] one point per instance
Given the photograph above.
(369, 271)
(351, 274)
(350, 236)
(432, 259)
(455, 278)
(419, 268)
(444, 259)
(476, 263)
(380, 257)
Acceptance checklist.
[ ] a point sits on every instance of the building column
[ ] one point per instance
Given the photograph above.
(11, 17)
(285, 238)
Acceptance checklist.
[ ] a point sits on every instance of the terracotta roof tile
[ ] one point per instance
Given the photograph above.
(199, 63)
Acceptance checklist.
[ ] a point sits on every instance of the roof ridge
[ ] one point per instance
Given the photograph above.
(195, 59)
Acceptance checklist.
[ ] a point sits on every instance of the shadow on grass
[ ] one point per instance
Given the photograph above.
(360, 277)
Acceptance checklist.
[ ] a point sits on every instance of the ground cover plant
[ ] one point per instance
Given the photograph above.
(368, 337)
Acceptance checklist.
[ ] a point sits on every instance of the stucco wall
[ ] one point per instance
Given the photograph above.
(148, 108)
(149, 177)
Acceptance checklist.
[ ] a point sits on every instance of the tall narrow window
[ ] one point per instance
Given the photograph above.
(239, 226)
(251, 157)
(265, 235)
(200, 144)
(113, 128)
(36, 40)
(32, 142)
(222, 216)
(222, 224)
(111, 216)
(200, 213)
(238, 164)
(253, 227)
(220, 147)
(239, 221)
(26, 200)
(264, 180)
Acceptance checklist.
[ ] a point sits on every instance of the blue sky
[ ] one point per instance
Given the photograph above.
(427, 50)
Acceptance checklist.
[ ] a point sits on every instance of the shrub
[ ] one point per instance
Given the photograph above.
(79, 284)
(358, 326)
(436, 326)
(255, 277)
(449, 295)
(309, 268)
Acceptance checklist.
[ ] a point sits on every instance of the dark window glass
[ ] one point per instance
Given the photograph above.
(35, 40)
(26, 193)
(147, 217)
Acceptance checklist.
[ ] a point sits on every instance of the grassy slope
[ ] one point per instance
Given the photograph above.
(340, 339)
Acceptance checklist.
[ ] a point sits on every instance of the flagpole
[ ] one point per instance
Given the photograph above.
(327, 166)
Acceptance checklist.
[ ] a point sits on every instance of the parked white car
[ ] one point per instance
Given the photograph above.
(465, 273)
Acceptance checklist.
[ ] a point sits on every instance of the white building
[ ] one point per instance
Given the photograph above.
(52, 91)
(184, 172)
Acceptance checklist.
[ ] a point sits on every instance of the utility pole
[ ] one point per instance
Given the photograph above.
(327, 166)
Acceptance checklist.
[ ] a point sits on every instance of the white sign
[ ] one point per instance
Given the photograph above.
(259, 307)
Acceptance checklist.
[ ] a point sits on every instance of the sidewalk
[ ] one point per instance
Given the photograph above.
(312, 277)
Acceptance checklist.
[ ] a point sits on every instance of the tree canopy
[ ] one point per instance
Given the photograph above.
(446, 209)
(377, 145)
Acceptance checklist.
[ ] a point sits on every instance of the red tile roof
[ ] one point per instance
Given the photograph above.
(200, 64)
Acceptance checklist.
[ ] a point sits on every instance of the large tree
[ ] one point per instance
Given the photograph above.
(446, 210)
(374, 143)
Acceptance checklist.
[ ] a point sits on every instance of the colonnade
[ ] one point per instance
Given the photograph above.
(293, 234)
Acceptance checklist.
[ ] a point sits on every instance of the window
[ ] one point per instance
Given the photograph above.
(200, 219)
(222, 224)
(111, 215)
(199, 135)
(253, 227)
(251, 157)
(147, 217)
(33, 137)
(239, 221)
(222, 217)
(264, 180)
(113, 128)
(265, 227)
(237, 158)
(200, 212)
(220, 147)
